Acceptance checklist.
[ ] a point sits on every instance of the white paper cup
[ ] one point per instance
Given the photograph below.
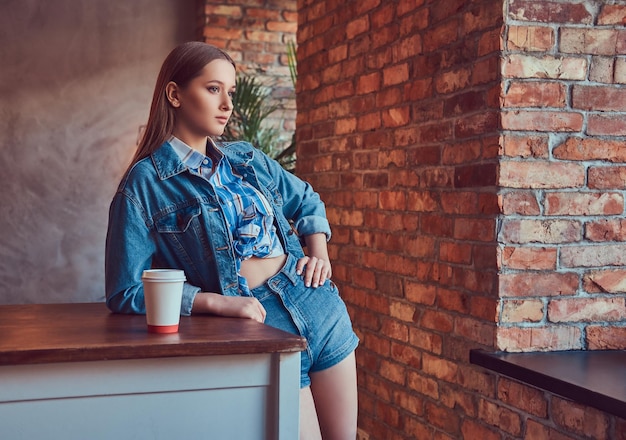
(163, 294)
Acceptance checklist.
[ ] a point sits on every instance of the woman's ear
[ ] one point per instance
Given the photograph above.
(171, 92)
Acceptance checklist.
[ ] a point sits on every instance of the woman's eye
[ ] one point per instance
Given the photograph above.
(213, 89)
(232, 95)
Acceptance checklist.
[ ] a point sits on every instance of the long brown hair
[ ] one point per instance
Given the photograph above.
(184, 63)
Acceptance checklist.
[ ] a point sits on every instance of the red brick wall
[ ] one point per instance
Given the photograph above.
(398, 128)
(472, 168)
(255, 33)
(562, 175)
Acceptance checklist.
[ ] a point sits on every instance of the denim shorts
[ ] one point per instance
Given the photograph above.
(316, 313)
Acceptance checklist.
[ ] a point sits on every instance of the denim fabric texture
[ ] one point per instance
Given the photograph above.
(316, 313)
(164, 216)
(247, 212)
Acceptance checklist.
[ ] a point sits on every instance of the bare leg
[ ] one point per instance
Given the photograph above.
(336, 400)
(309, 427)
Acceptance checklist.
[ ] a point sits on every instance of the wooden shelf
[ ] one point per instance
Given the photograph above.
(594, 378)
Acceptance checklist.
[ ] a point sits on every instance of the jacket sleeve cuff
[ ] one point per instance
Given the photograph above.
(189, 295)
(313, 225)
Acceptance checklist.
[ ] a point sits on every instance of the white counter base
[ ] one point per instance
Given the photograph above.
(239, 397)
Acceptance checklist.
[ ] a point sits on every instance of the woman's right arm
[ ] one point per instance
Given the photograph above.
(130, 246)
(129, 250)
(233, 306)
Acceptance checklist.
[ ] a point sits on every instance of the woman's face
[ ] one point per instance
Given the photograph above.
(205, 104)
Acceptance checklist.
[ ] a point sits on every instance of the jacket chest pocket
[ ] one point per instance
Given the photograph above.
(178, 221)
(184, 243)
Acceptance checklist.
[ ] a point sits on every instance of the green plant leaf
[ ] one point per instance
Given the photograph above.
(251, 108)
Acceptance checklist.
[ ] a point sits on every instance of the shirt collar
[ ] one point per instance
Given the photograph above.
(190, 157)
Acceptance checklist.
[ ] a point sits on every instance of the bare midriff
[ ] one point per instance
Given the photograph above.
(258, 270)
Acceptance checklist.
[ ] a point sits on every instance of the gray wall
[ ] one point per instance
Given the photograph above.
(76, 79)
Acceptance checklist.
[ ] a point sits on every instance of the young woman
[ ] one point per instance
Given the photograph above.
(236, 223)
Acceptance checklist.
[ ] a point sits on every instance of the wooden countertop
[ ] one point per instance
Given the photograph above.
(42, 333)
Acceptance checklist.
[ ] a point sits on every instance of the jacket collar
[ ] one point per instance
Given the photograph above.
(238, 153)
(166, 161)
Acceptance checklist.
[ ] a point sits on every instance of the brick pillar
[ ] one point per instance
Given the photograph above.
(561, 172)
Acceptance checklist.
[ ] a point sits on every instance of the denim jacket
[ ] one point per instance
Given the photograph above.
(164, 216)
